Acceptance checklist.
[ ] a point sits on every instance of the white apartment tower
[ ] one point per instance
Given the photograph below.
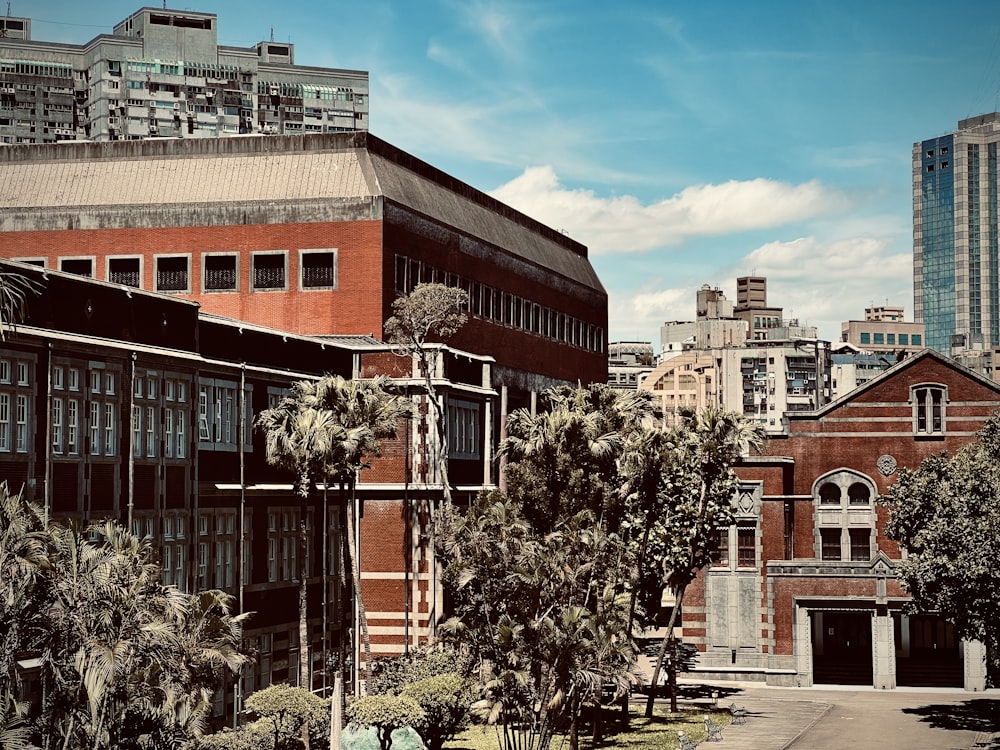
(162, 73)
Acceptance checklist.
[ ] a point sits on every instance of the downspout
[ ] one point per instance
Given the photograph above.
(48, 443)
(131, 442)
(241, 447)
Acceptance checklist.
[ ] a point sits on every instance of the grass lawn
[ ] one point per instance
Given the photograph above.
(658, 733)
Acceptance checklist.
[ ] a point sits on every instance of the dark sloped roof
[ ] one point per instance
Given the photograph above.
(171, 182)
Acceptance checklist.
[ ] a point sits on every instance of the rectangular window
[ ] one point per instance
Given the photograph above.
(915, 339)
(136, 431)
(109, 429)
(866, 338)
(21, 426)
(72, 426)
(890, 338)
(318, 269)
(463, 429)
(746, 543)
(168, 433)
(172, 273)
(221, 273)
(150, 431)
(4, 422)
(95, 428)
(904, 339)
(861, 550)
(879, 338)
(723, 548)
(78, 266)
(268, 270)
(830, 544)
(57, 425)
(125, 271)
(218, 415)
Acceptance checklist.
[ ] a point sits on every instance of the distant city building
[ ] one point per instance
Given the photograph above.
(745, 358)
(956, 248)
(751, 307)
(687, 381)
(163, 73)
(883, 331)
(629, 362)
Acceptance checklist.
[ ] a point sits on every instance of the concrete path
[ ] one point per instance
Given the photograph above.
(834, 717)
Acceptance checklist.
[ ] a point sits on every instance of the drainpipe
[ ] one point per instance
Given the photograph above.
(131, 442)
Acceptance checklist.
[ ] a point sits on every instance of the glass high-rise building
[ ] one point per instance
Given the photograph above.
(956, 250)
(162, 73)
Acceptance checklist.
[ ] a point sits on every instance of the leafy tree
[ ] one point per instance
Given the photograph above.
(386, 713)
(429, 315)
(946, 514)
(289, 710)
(538, 612)
(693, 502)
(391, 674)
(445, 700)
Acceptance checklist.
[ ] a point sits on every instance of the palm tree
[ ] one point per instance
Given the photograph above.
(127, 662)
(298, 436)
(324, 431)
(22, 555)
(366, 412)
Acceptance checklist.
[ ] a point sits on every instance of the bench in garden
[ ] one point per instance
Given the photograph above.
(713, 730)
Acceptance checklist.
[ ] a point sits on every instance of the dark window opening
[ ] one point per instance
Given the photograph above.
(829, 494)
(220, 272)
(269, 271)
(79, 266)
(829, 544)
(859, 494)
(124, 271)
(172, 274)
(746, 544)
(319, 270)
(861, 549)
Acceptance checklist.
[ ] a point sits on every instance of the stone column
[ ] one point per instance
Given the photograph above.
(802, 646)
(883, 650)
(974, 653)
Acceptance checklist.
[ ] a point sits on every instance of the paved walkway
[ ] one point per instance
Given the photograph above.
(836, 717)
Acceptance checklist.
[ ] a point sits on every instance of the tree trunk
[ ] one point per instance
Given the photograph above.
(654, 682)
(304, 641)
(354, 564)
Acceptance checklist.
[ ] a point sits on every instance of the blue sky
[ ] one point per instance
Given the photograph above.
(683, 143)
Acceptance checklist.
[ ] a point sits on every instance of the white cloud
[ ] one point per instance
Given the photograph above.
(624, 224)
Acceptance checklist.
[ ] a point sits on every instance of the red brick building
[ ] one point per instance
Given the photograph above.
(316, 236)
(805, 592)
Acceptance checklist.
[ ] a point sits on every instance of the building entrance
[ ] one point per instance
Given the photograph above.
(842, 648)
(927, 652)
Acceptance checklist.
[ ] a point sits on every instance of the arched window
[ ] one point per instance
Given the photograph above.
(859, 494)
(829, 494)
(929, 402)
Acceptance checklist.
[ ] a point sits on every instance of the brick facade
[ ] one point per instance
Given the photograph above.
(820, 604)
